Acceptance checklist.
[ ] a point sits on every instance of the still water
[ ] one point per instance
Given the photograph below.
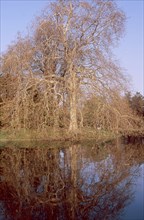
(72, 181)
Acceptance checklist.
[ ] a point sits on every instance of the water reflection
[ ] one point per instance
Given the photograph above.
(77, 182)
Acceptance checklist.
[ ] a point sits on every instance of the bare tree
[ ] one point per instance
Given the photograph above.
(66, 59)
(75, 41)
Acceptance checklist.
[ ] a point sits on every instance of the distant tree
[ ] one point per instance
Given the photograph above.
(113, 114)
(136, 102)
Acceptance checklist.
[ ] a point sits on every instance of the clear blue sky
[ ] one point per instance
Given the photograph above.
(17, 16)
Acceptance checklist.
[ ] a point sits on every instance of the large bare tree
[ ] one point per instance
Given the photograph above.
(66, 58)
(74, 41)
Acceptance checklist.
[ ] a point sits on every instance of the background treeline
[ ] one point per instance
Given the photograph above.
(136, 102)
(62, 76)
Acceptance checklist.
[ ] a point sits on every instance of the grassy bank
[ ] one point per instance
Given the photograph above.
(56, 135)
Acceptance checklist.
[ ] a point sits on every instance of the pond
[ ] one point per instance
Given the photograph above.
(72, 181)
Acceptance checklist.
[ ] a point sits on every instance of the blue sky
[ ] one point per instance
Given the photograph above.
(17, 16)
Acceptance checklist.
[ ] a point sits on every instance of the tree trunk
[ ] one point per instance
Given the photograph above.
(73, 127)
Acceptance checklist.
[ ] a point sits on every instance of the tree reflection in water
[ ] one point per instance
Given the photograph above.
(77, 182)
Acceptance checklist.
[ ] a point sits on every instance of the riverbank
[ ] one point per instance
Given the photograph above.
(57, 135)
